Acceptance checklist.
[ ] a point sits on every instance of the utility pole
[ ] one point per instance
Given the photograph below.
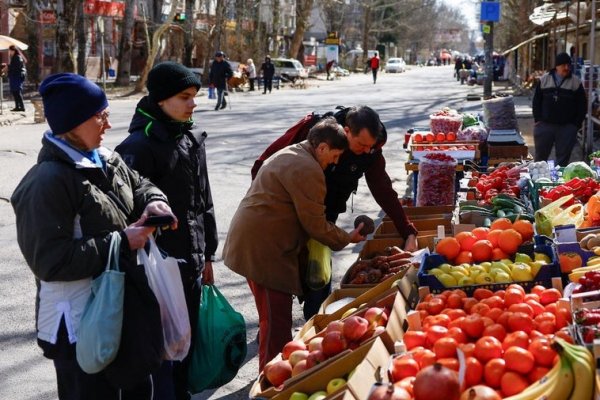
(490, 13)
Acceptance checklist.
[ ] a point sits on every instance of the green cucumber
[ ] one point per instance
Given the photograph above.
(500, 214)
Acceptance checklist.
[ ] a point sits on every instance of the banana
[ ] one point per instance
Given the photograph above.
(556, 385)
(583, 369)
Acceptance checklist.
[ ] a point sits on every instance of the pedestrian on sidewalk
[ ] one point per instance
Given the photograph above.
(67, 207)
(559, 108)
(283, 208)
(251, 72)
(267, 70)
(166, 147)
(16, 76)
(374, 65)
(220, 72)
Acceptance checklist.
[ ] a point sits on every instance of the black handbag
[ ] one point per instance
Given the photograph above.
(141, 350)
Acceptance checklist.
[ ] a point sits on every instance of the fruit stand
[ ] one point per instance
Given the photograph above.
(501, 301)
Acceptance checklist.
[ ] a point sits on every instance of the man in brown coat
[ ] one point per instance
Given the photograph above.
(283, 208)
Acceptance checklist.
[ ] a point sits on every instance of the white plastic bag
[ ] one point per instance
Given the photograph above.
(165, 280)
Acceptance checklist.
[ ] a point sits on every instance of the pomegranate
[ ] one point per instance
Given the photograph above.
(480, 392)
(387, 391)
(436, 383)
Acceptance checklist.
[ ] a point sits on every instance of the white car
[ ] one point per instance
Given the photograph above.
(289, 69)
(395, 64)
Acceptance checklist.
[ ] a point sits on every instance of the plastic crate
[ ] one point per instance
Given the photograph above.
(544, 276)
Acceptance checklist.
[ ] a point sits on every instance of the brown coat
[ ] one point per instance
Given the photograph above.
(283, 208)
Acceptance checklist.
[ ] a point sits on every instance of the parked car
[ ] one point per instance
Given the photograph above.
(339, 71)
(395, 64)
(289, 69)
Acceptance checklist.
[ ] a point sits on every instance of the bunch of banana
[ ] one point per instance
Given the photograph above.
(593, 264)
(584, 369)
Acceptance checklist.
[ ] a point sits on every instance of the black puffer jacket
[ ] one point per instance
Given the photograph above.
(219, 74)
(172, 155)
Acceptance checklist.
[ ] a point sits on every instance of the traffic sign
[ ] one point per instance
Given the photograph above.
(490, 11)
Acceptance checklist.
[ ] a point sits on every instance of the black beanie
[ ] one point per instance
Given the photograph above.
(562, 58)
(169, 78)
(70, 100)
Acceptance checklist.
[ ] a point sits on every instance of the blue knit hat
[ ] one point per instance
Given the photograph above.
(70, 100)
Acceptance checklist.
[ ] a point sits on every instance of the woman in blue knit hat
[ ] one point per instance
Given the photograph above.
(67, 208)
(166, 146)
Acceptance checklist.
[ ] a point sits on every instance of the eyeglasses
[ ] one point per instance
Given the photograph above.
(103, 116)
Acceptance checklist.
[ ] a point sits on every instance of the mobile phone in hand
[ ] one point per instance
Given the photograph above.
(158, 220)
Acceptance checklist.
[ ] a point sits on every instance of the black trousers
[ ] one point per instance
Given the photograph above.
(18, 97)
(252, 84)
(268, 85)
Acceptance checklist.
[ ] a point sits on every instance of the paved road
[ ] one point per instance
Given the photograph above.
(236, 137)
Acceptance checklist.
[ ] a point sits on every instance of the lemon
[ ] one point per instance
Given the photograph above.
(541, 257)
(466, 281)
(522, 272)
(500, 265)
(524, 258)
(476, 267)
(459, 268)
(535, 267)
(486, 265)
(502, 277)
(445, 267)
(447, 280)
(475, 273)
(435, 272)
(484, 278)
(457, 275)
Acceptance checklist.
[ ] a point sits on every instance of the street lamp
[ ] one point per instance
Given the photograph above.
(100, 22)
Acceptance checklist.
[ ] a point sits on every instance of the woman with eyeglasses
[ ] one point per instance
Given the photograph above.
(67, 207)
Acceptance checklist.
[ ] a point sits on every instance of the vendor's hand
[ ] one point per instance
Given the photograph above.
(411, 243)
(159, 208)
(355, 235)
(137, 235)
(207, 275)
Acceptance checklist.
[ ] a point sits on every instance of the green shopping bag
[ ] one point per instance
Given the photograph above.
(220, 345)
(318, 271)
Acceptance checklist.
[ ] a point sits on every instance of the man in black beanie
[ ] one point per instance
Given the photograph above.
(220, 72)
(559, 108)
(165, 147)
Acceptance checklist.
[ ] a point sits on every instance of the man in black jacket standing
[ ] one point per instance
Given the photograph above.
(559, 108)
(164, 147)
(268, 70)
(220, 72)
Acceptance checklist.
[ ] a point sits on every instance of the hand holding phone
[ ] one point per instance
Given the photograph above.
(158, 220)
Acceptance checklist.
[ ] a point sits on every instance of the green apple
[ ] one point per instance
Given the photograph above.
(320, 395)
(522, 258)
(335, 384)
(447, 280)
(502, 277)
(299, 396)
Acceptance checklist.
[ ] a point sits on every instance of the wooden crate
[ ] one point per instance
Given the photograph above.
(507, 152)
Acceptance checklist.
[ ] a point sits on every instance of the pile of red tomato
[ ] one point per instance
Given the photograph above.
(504, 335)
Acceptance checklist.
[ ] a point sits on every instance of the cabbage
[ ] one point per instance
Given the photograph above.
(578, 169)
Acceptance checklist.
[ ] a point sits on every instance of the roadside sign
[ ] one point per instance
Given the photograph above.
(490, 11)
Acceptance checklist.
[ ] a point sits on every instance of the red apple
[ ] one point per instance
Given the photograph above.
(279, 372)
(315, 344)
(314, 358)
(371, 333)
(292, 346)
(376, 316)
(333, 343)
(300, 367)
(334, 326)
(355, 327)
(298, 355)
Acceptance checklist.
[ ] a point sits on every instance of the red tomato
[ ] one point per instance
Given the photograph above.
(457, 323)
(493, 371)
(563, 317)
(513, 296)
(494, 313)
(565, 335)
(413, 339)
(542, 352)
(481, 294)
(424, 357)
(434, 333)
(518, 338)
(445, 347)
(469, 302)
(454, 301)
(473, 325)
(537, 373)
(488, 347)
(538, 289)
(512, 383)
(467, 348)
(454, 313)
(495, 330)
(451, 363)
(503, 319)
(403, 367)
(435, 306)
(520, 322)
(480, 308)
(474, 371)
(494, 302)
(457, 334)
(522, 307)
(519, 360)
(536, 307)
(550, 296)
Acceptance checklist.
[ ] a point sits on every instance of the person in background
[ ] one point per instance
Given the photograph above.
(458, 65)
(65, 217)
(559, 108)
(283, 208)
(166, 147)
(366, 136)
(267, 71)
(374, 65)
(220, 72)
(328, 67)
(251, 71)
(16, 76)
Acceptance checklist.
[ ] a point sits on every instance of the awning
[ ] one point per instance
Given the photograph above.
(536, 37)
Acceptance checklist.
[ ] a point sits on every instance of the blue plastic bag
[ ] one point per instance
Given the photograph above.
(220, 344)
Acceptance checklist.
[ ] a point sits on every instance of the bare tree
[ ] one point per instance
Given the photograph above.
(188, 37)
(303, 10)
(66, 11)
(126, 45)
(32, 25)
(81, 41)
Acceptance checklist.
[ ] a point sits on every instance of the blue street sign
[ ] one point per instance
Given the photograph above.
(490, 11)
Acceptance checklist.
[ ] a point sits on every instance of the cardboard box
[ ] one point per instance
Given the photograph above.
(374, 247)
(509, 152)
(425, 212)
(422, 225)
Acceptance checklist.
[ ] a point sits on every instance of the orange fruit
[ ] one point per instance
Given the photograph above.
(519, 360)
(493, 236)
(466, 240)
(569, 261)
(525, 228)
(448, 247)
(512, 383)
(509, 241)
(482, 251)
(481, 233)
(464, 257)
(501, 223)
(498, 254)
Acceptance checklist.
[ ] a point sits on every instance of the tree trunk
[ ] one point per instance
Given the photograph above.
(32, 25)
(153, 51)
(188, 37)
(65, 20)
(240, 17)
(81, 41)
(303, 10)
(126, 45)
(366, 30)
(215, 36)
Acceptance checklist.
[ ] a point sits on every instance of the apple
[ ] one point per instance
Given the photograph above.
(279, 372)
(376, 316)
(334, 326)
(335, 384)
(315, 344)
(333, 343)
(355, 327)
(314, 358)
(299, 396)
(371, 333)
(320, 395)
(298, 355)
(268, 365)
(292, 346)
(300, 367)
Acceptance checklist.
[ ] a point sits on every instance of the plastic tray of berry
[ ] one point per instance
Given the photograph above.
(585, 305)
